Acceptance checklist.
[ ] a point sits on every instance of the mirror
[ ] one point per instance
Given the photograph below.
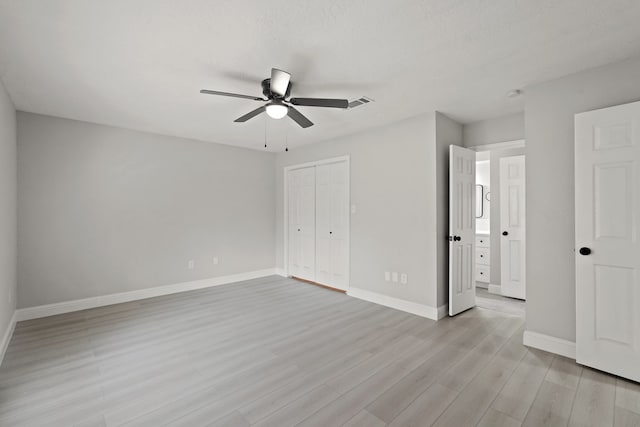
(479, 201)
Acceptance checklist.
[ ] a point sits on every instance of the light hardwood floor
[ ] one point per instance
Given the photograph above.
(275, 352)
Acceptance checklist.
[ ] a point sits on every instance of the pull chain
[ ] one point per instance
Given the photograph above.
(286, 138)
(265, 131)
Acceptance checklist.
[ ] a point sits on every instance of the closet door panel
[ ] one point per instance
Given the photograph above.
(302, 223)
(323, 224)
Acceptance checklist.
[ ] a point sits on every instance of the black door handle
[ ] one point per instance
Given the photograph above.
(298, 229)
(505, 233)
(585, 251)
(457, 238)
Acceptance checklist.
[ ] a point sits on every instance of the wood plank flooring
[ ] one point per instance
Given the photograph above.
(276, 352)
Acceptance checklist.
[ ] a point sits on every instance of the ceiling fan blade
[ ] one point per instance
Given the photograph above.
(279, 81)
(320, 102)
(299, 118)
(233, 95)
(250, 115)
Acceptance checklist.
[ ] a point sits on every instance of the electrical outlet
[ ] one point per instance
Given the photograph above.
(387, 276)
(215, 260)
(394, 277)
(191, 264)
(404, 278)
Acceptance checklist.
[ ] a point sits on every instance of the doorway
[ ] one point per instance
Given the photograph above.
(500, 227)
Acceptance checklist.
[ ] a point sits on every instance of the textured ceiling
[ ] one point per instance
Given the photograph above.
(140, 63)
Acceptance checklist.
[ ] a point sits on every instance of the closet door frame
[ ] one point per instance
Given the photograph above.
(315, 164)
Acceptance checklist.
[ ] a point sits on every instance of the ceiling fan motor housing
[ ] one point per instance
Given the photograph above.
(266, 90)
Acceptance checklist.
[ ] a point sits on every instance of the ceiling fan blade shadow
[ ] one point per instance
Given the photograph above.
(250, 115)
(233, 95)
(299, 118)
(320, 102)
(279, 81)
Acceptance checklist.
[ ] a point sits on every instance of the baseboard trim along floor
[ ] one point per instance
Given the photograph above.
(7, 337)
(550, 344)
(400, 304)
(100, 301)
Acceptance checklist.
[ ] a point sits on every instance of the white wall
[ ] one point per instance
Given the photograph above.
(7, 212)
(393, 176)
(549, 115)
(105, 210)
(499, 129)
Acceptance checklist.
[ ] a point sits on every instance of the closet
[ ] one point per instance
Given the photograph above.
(318, 222)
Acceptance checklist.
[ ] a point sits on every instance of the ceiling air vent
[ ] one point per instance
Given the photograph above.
(360, 101)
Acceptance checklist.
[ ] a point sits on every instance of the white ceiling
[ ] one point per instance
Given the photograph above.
(139, 64)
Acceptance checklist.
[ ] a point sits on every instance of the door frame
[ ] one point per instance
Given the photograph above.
(315, 164)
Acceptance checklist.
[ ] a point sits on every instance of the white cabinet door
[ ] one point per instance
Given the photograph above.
(512, 227)
(462, 229)
(332, 220)
(607, 176)
(302, 222)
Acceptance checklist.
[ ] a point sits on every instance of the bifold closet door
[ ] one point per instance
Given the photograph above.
(302, 223)
(332, 225)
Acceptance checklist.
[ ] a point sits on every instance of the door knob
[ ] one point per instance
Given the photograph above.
(585, 251)
(298, 229)
(331, 232)
(457, 238)
(505, 233)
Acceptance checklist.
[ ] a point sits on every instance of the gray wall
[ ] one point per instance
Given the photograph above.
(448, 132)
(500, 129)
(549, 115)
(393, 185)
(7, 210)
(105, 210)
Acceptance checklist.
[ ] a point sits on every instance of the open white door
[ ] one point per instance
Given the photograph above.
(512, 227)
(607, 176)
(462, 229)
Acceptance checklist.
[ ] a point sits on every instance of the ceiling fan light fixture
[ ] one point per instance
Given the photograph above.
(277, 110)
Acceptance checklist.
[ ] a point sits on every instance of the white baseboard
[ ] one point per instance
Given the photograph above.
(399, 304)
(551, 344)
(495, 289)
(100, 301)
(7, 336)
(281, 272)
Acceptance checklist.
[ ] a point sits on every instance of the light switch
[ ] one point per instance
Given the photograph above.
(387, 276)
(394, 277)
(404, 278)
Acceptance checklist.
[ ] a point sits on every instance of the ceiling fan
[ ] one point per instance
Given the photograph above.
(277, 90)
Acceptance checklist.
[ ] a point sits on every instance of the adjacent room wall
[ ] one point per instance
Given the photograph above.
(105, 210)
(393, 187)
(500, 129)
(7, 214)
(549, 123)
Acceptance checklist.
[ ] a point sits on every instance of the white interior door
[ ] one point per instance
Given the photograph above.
(332, 221)
(512, 227)
(301, 185)
(462, 229)
(607, 176)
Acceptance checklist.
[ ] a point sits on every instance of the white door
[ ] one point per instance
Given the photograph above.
(301, 185)
(607, 176)
(512, 227)
(332, 225)
(462, 229)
